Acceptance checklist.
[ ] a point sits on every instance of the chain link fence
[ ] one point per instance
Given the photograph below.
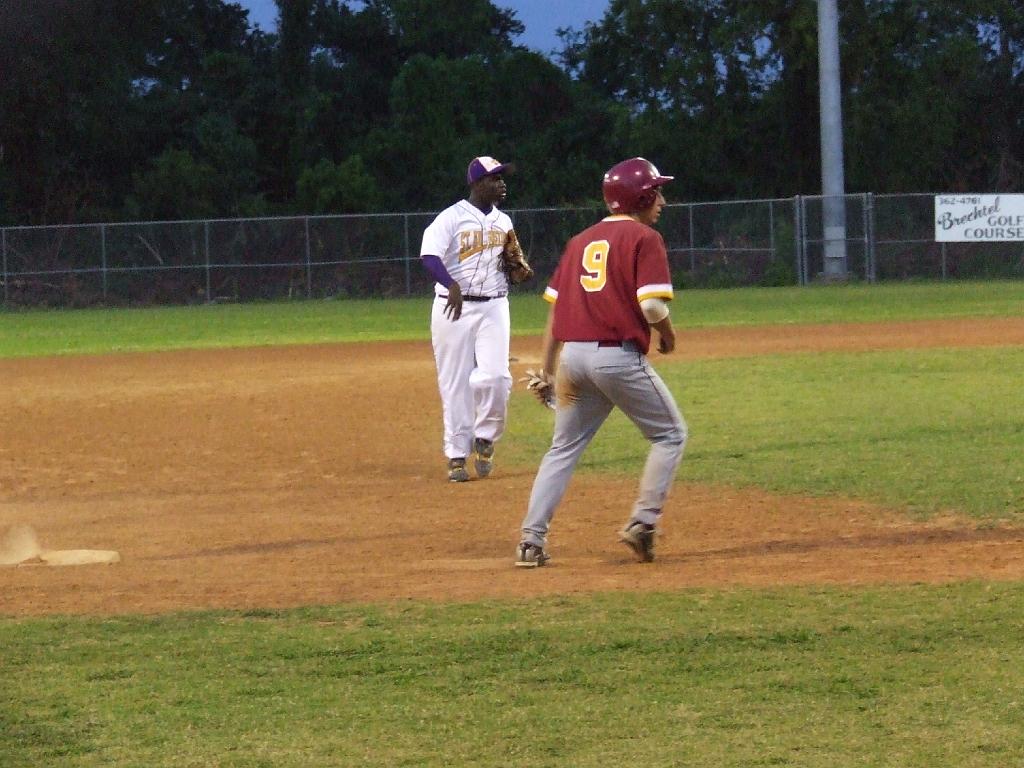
(718, 244)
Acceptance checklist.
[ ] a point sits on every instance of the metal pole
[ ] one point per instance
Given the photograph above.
(309, 264)
(408, 277)
(103, 257)
(943, 251)
(771, 228)
(798, 241)
(3, 250)
(693, 262)
(832, 182)
(206, 251)
(803, 240)
(865, 201)
(871, 237)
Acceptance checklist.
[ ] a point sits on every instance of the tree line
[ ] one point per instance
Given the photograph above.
(176, 109)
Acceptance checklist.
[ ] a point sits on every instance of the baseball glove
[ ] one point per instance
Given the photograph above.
(540, 387)
(513, 260)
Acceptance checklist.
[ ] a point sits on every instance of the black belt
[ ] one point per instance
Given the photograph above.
(474, 298)
(610, 343)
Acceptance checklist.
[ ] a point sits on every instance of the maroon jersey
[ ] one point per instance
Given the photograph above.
(605, 272)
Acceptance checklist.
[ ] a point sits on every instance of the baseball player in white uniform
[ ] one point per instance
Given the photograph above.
(469, 322)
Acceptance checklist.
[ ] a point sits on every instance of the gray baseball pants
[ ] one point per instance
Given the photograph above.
(592, 380)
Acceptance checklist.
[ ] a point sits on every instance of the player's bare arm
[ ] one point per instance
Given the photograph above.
(541, 383)
(656, 312)
(666, 335)
(550, 347)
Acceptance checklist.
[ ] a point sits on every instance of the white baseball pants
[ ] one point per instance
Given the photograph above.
(473, 376)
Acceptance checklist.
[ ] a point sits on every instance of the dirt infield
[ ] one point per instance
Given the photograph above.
(287, 476)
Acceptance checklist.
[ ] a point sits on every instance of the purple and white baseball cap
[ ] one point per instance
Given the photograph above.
(486, 166)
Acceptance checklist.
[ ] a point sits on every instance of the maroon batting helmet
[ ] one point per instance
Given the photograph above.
(631, 185)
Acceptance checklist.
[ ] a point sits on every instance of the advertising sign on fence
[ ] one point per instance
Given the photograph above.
(979, 218)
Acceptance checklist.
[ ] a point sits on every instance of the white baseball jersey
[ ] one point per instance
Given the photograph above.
(469, 244)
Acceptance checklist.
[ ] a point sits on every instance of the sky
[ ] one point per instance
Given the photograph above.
(541, 17)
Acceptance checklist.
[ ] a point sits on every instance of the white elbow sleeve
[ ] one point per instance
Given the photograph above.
(654, 309)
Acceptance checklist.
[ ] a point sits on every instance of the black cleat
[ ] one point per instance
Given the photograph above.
(639, 537)
(457, 472)
(483, 458)
(531, 556)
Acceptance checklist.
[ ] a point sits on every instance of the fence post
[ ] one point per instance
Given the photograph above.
(103, 257)
(865, 201)
(942, 250)
(798, 231)
(408, 278)
(309, 264)
(3, 250)
(206, 253)
(873, 243)
(693, 263)
(771, 228)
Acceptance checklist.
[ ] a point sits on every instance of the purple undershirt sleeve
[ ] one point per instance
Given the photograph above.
(437, 270)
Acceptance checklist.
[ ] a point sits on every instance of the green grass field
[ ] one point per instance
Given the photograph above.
(904, 677)
(928, 431)
(818, 677)
(24, 333)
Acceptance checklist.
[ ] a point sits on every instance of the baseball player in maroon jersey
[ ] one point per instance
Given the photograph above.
(609, 289)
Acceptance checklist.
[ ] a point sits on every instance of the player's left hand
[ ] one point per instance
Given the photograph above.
(453, 307)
